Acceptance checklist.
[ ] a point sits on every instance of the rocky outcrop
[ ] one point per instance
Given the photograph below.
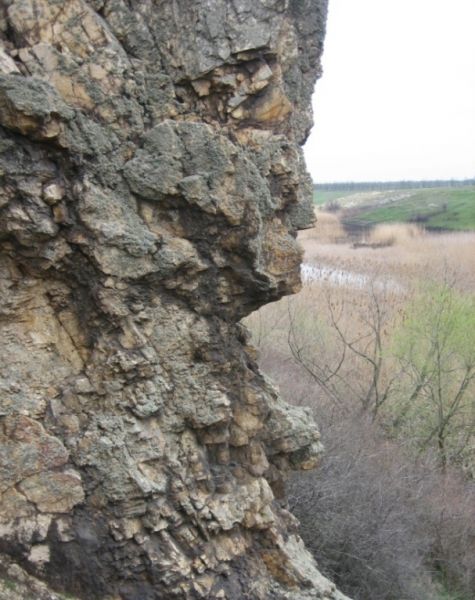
(152, 186)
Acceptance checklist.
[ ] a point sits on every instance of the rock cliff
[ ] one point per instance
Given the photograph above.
(152, 184)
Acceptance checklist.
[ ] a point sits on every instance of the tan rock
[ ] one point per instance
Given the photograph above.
(7, 64)
(53, 193)
(201, 86)
(53, 492)
(39, 554)
(274, 106)
(27, 449)
(14, 505)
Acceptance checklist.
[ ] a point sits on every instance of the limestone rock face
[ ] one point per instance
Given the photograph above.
(152, 184)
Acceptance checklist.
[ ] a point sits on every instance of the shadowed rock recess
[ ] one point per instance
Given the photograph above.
(152, 186)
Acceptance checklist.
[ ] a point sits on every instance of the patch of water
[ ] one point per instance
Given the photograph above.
(340, 277)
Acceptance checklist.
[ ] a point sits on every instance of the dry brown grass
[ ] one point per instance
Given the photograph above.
(327, 229)
(412, 256)
(390, 234)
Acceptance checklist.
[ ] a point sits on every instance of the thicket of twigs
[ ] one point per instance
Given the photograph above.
(386, 358)
(383, 525)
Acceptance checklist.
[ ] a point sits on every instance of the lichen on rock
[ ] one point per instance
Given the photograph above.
(152, 187)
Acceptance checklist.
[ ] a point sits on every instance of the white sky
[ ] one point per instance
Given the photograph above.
(397, 97)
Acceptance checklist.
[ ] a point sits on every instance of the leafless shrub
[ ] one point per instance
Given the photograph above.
(359, 516)
(342, 345)
(383, 520)
(383, 526)
(452, 511)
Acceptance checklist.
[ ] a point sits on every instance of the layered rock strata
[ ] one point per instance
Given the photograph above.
(152, 184)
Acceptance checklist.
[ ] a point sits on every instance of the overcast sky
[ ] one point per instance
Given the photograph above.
(397, 97)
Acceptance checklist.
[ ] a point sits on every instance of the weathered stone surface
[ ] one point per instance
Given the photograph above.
(16, 584)
(152, 184)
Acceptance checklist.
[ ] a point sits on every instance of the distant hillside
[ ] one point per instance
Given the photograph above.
(390, 185)
(449, 207)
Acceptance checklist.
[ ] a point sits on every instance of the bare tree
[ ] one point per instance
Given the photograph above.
(346, 356)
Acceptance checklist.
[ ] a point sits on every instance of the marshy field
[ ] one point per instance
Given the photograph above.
(380, 343)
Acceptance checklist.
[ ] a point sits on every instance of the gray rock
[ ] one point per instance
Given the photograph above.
(152, 188)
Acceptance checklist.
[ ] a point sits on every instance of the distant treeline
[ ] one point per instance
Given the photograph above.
(390, 185)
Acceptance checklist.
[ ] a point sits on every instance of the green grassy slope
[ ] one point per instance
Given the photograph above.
(320, 198)
(438, 208)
